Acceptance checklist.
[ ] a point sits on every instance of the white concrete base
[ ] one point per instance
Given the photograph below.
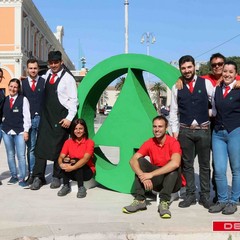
(87, 184)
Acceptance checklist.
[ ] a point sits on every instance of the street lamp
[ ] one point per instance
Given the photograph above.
(148, 38)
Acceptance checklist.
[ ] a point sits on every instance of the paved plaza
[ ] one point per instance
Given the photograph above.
(27, 214)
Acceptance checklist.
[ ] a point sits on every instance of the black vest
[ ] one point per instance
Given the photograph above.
(2, 99)
(228, 109)
(35, 98)
(13, 118)
(193, 105)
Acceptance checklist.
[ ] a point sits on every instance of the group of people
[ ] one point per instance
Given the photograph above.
(39, 114)
(204, 114)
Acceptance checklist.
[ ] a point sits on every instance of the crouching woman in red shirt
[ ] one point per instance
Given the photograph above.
(76, 159)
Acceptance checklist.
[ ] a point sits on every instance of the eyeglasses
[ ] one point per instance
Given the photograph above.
(219, 64)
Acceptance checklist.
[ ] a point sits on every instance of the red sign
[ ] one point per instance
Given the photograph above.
(226, 226)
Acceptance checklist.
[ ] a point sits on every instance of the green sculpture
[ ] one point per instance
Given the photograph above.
(129, 123)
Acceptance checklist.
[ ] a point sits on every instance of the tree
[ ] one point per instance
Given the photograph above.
(120, 83)
(157, 89)
(205, 68)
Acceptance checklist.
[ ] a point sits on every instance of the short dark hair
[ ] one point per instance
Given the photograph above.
(186, 58)
(54, 56)
(230, 62)
(18, 83)
(217, 55)
(161, 117)
(75, 123)
(32, 60)
(1, 71)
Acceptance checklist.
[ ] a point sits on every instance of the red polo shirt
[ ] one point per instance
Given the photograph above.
(213, 80)
(160, 155)
(77, 150)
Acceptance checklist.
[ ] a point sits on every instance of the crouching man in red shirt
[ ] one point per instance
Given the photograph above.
(161, 173)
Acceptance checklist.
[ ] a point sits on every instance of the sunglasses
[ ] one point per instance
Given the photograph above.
(219, 64)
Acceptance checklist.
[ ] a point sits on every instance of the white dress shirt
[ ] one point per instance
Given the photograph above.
(174, 113)
(66, 92)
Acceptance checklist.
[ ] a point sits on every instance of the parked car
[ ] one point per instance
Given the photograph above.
(107, 110)
(101, 110)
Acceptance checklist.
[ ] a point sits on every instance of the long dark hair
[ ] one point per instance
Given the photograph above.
(75, 123)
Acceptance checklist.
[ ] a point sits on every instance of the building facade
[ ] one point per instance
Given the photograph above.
(25, 34)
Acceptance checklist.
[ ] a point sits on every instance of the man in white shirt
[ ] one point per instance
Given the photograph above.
(59, 109)
(189, 120)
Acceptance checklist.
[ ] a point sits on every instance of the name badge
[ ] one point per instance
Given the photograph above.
(15, 110)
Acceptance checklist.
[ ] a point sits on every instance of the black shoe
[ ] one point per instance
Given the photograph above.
(37, 184)
(218, 207)
(30, 179)
(230, 208)
(64, 190)
(188, 201)
(82, 192)
(56, 183)
(204, 202)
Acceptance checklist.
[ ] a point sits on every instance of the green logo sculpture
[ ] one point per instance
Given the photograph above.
(128, 125)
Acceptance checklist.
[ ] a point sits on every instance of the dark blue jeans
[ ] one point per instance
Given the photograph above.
(166, 184)
(196, 142)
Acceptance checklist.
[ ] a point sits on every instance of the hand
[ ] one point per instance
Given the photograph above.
(65, 123)
(66, 167)
(175, 135)
(179, 84)
(25, 136)
(237, 85)
(148, 185)
(145, 176)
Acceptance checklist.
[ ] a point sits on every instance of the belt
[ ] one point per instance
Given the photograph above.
(194, 127)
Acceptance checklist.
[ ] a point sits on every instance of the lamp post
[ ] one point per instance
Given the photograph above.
(148, 38)
(126, 25)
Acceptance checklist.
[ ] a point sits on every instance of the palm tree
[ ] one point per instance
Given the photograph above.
(119, 84)
(157, 89)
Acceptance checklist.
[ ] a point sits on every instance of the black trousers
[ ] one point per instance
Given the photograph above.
(196, 142)
(166, 184)
(40, 169)
(81, 174)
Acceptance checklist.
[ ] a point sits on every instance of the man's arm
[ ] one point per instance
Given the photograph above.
(135, 164)
(173, 114)
(172, 165)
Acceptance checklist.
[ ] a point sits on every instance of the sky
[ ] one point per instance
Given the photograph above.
(94, 29)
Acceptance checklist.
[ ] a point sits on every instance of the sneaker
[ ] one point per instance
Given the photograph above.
(13, 180)
(56, 183)
(163, 209)
(37, 184)
(204, 202)
(188, 201)
(135, 206)
(23, 184)
(230, 208)
(64, 190)
(218, 207)
(82, 192)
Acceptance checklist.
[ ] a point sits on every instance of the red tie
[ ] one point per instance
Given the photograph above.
(11, 102)
(52, 78)
(33, 85)
(227, 88)
(190, 84)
